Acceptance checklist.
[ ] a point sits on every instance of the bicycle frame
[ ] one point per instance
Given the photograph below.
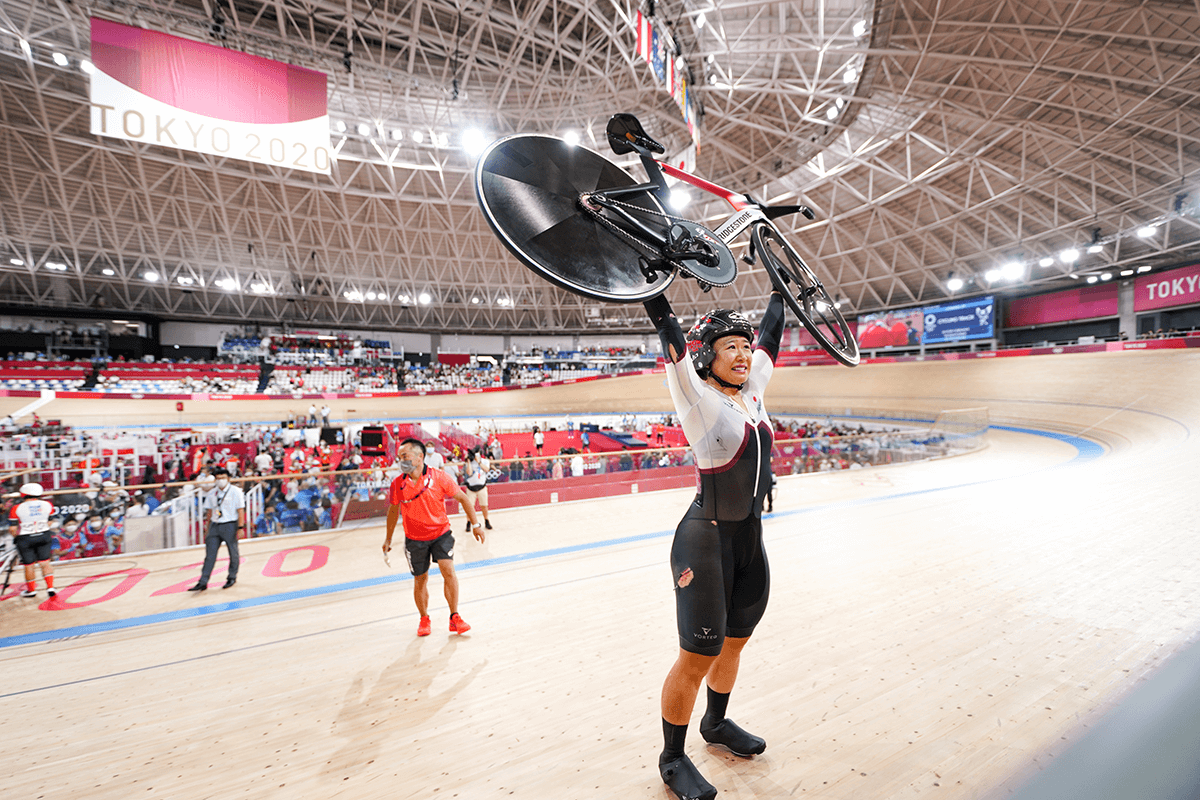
(747, 211)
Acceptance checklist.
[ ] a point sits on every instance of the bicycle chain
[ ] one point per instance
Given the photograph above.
(630, 239)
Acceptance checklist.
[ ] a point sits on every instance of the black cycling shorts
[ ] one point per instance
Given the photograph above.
(35, 547)
(725, 592)
(420, 553)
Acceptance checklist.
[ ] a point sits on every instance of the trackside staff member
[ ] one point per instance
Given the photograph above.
(29, 524)
(225, 519)
(419, 496)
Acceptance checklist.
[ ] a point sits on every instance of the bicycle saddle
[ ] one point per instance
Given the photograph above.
(625, 135)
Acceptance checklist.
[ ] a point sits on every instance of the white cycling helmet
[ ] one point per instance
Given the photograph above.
(32, 489)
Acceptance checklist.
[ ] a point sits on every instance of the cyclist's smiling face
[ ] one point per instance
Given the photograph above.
(732, 362)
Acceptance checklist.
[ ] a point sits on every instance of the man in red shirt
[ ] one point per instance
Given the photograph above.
(419, 496)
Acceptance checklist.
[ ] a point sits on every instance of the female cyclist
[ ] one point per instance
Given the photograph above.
(716, 377)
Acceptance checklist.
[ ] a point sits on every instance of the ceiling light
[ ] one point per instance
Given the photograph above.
(26, 49)
(1143, 268)
(1069, 256)
(398, 135)
(424, 298)
(185, 280)
(859, 28)
(16, 262)
(571, 138)
(150, 276)
(1046, 262)
(108, 271)
(992, 275)
(56, 266)
(700, 20)
(850, 75)
(363, 129)
(353, 295)
(1013, 270)
(418, 137)
(1107, 276)
(954, 284)
(1145, 232)
(831, 112)
(370, 295)
(60, 59)
(261, 288)
(1125, 273)
(475, 301)
(228, 284)
(1095, 248)
(340, 126)
(473, 141)
(86, 67)
(1092, 278)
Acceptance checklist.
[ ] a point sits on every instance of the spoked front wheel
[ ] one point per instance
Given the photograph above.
(805, 294)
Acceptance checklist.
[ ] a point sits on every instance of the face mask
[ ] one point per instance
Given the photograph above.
(222, 483)
(406, 466)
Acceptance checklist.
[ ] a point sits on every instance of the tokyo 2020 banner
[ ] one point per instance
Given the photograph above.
(154, 88)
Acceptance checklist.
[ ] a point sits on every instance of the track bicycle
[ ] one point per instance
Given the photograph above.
(8, 561)
(580, 221)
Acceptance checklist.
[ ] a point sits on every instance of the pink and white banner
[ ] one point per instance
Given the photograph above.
(1177, 287)
(159, 89)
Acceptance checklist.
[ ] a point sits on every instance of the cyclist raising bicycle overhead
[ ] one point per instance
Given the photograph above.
(717, 378)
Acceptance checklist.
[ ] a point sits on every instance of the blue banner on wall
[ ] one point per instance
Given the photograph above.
(954, 322)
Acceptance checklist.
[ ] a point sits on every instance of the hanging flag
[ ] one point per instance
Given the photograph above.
(644, 37)
(657, 61)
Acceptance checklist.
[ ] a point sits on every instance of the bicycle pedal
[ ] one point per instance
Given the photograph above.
(648, 271)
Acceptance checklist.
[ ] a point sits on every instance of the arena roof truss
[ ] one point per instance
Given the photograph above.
(930, 138)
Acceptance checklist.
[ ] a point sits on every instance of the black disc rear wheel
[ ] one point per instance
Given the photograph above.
(805, 294)
(529, 189)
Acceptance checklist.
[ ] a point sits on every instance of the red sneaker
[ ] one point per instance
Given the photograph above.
(425, 628)
(458, 624)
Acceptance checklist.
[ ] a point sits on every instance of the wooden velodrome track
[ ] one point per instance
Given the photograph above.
(937, 630)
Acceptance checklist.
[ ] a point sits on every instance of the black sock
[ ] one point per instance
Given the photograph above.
(673, 737)
(717, 704)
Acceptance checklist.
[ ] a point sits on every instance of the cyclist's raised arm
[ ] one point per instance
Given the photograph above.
(770, 330)
(669, 332)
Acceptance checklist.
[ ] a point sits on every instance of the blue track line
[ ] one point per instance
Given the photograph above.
(1086, 450)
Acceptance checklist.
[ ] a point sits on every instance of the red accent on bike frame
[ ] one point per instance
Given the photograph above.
(738, 201)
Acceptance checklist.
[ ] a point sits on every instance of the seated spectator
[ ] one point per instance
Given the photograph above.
(325, 519)
(66, 543)
(267, 523)
(292, 517)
